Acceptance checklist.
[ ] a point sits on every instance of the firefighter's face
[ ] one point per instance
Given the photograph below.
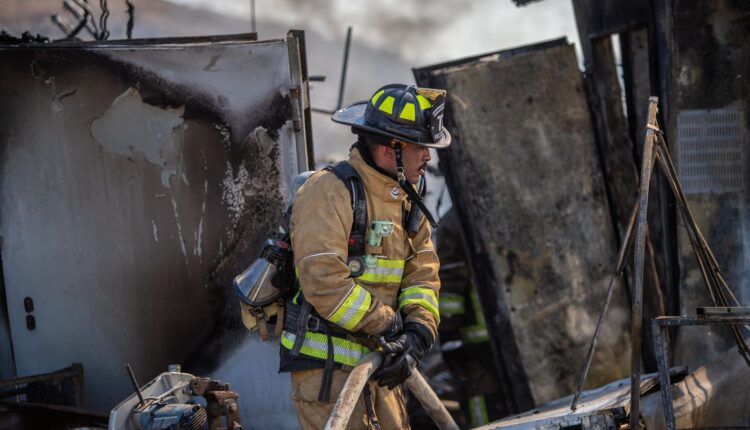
(414, 157)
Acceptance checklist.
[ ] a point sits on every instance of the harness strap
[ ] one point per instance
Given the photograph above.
(349, 176)
(370, 408)
(302, 320)
(409, 190)
(325, 383)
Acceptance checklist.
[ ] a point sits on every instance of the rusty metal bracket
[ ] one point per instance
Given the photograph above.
(220, 402)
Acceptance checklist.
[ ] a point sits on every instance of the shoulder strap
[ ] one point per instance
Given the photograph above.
(349, 176)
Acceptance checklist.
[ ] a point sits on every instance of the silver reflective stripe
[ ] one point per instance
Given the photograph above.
(354, 308)
(418, 296)
(323, 347)
(342, 300)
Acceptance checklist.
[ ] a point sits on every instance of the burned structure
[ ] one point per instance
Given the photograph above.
(138, 177)
(503, 109)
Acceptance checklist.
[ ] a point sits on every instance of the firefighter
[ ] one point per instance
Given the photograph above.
(350, 293)
(463, 333)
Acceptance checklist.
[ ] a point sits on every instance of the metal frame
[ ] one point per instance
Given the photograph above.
(658, 327)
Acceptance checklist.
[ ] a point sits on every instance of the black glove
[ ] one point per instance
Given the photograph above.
(394, 330)
(403, 355)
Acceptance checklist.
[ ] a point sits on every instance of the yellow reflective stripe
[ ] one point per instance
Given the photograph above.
(451, 304)
(475, 334)
(377, 95)
(387, 105)
(316, 345)
(352, 309)
(385, 271)
(295, 299)
(478, 411)
(424, 104)
(421, 296)
(408, 112)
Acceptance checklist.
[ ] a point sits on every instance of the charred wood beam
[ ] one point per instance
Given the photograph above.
(616, 149)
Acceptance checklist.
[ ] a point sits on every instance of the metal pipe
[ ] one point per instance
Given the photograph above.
(342, 83)
(135, 384)
(356, 381)
(419, 387)
(627, 241)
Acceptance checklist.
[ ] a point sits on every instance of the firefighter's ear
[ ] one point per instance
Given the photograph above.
(388, 151)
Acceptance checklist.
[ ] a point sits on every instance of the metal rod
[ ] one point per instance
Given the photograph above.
(253, 29)
(135, 384)
(677, 189)
(640, 251)
(342, 83)
(352, 390)
(714, 280)
(80, 14)
(627, 241)
(664, 383)
(419, 387)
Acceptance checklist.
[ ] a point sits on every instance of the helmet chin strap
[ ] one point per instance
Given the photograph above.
(409, 190)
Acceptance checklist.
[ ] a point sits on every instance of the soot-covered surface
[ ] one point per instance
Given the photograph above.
(524, 173)
(136, 181)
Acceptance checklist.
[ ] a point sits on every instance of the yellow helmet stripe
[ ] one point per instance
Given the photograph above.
(387, 105)
(424, 104)
(408, 112)
(377, 95)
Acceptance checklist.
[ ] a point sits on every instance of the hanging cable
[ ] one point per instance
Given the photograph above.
(104, 34)
(131, 18)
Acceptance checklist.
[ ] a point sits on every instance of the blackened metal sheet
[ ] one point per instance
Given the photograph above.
(136, 180)
(524, 174)
(707, 59)
(600, 408)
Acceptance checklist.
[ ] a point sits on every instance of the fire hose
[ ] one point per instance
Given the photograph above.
(356, 381)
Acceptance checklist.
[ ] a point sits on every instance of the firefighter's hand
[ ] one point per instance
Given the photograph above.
(402, 355)
(394, 330)
(395, 370)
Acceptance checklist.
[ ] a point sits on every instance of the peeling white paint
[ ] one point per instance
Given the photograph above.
(156, 231)
(179, 232)
(233, 191)
(131, 127)
(197, 249)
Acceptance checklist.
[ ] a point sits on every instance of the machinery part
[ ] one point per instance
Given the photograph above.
(168, 414)
(168, 402)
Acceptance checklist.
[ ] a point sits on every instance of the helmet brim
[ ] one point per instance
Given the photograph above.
(354, 116)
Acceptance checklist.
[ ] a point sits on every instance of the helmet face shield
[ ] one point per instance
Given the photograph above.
(401, 112)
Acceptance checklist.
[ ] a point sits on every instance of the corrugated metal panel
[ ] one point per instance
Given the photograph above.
(137, 178)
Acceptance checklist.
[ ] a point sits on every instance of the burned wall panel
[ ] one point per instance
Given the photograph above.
(136, 180)
(707, 76)
(525, 175)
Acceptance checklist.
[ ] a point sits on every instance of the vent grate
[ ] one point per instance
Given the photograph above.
(710, 153)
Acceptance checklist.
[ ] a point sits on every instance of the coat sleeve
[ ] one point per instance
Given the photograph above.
(320, 227)
(418, 298)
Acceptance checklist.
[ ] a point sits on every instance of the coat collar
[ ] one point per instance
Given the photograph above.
(378, 185)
